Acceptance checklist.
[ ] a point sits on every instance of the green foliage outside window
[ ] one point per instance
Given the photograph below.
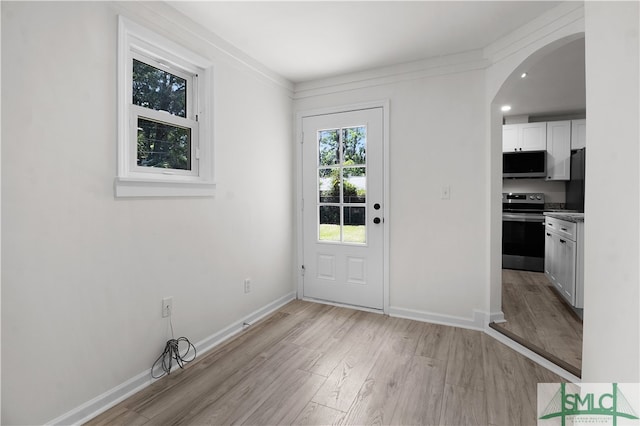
(160, 144)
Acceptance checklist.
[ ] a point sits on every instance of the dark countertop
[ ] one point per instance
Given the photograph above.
(566, 215)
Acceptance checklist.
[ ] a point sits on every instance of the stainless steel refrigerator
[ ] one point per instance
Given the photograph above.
(575, 187)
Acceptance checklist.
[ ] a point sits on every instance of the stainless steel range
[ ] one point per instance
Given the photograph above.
(523, 231)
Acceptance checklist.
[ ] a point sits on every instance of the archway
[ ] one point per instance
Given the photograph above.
(506, 91)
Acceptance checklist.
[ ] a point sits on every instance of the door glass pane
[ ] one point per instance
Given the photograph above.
(354, 145)
(342, 181)
(354, 185)
(329, 185)
(163, 145)
(354, 225)
(329, 229)
(328, 147)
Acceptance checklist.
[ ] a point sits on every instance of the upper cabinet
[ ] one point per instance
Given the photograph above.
(524, 137)
(559, 150)
(578, 134)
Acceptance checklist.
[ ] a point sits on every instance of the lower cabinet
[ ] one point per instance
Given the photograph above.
(562, 260)
(550, 257)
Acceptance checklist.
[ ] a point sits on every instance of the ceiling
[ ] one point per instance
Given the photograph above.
(555, 83)
(308, 40)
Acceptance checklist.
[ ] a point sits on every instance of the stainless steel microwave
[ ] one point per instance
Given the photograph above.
(524, 164)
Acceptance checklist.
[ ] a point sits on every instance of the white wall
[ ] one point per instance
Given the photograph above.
(83, 273)
(612, 231)
(437, 132)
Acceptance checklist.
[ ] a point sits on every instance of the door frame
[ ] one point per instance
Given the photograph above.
(300, 115)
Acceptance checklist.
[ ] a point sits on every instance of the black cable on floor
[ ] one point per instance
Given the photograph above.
(172, 352)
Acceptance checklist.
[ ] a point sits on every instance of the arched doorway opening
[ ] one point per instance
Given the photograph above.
(524, 304)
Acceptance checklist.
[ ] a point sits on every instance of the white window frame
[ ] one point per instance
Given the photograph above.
(136, 41)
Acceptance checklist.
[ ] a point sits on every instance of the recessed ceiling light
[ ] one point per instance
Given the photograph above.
(523, 75)
(505, 108)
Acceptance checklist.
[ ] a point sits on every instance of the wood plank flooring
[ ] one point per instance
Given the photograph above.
(536, 314)
(312, 364)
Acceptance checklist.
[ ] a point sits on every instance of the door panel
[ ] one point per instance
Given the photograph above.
(343, 245)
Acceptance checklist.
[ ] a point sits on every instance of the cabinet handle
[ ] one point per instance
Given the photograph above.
(550, 224)
(548, 234)
(562, 241)
(563, 229)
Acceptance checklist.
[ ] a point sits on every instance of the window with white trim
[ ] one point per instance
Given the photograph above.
(165, 145)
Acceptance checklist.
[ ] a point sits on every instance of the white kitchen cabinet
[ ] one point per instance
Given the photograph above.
(564, 258)
(524, 137)
(559, 150)
(510, 137)
(566, 277)
(578, 134)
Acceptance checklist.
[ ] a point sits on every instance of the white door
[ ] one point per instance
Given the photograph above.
(343, 223)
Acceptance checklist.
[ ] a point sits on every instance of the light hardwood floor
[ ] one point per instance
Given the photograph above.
(534, 312)
(310, 364)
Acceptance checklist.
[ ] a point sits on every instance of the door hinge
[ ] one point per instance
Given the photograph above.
(197, 153)
(302, 204)
(302, 140)
(302, 270)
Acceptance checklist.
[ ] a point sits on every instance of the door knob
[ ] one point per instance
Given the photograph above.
(376, 206)
(376, 220)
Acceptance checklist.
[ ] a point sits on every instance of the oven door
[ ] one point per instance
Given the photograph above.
(523, 241)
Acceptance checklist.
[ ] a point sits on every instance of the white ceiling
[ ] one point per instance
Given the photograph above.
(554, 84)
(307, 40)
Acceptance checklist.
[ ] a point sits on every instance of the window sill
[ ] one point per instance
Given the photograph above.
(131, 187)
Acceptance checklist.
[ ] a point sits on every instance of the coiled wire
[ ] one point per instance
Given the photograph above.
(172, 352)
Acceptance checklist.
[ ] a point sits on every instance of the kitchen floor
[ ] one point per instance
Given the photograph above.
(537, 314)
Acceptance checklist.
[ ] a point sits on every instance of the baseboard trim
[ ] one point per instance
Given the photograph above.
(476, 323)
(497, 317)
(110, 398)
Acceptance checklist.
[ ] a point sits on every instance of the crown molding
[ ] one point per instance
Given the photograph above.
(566, 17)
(167, 20)
(441, 65)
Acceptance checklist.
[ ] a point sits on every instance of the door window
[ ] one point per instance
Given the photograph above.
(342, 185)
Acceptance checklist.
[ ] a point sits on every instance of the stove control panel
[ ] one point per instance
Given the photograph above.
(522, 198)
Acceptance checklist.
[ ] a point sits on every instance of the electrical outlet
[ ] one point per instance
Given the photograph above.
(167, 306)
(247, 285)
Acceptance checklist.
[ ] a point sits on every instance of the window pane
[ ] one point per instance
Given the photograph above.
(328, 147)
(163, 145)
(329, 227)
(158, 89)
(354, 145)
(329, 185)
(354, 225)
(354, 188)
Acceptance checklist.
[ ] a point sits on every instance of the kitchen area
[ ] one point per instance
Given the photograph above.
(543, 219)
(543, 237)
